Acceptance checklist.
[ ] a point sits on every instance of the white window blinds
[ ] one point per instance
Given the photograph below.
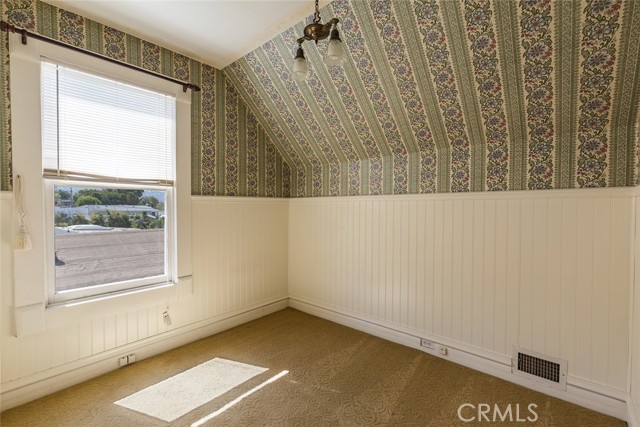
(94, 128)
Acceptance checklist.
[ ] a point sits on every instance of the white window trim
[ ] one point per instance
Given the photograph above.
(30, 267)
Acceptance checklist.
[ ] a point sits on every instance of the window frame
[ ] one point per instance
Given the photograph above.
(30, 279)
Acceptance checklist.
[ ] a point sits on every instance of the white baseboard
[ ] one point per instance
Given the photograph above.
(634, 414)
(15, 393)
(581, 392)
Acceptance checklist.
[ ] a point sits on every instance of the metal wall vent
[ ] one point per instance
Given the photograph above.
(540, 368)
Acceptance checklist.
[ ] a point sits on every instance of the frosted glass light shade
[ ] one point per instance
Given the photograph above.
(335, 53)
(299, 69)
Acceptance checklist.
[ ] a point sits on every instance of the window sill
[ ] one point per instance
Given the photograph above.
(118, 303)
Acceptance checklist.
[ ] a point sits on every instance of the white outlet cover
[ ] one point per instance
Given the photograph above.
(426, 343)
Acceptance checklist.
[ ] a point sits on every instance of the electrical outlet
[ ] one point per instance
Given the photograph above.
(124, 361)
(427, 344)
(166, 318)
(131, 358)
(444, 351)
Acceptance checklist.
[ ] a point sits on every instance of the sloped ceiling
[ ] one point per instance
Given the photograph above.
(449, 96)
(230, 153)
(205, 30)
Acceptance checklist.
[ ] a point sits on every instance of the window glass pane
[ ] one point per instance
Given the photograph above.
(108, 235)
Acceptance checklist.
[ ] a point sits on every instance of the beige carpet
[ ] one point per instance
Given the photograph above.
(336, 377)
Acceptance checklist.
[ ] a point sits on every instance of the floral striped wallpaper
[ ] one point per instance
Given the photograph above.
(450, 96)
(232, 155)
(434, 96)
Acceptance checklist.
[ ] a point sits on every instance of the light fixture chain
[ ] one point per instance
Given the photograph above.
(316, 31)
(316, 16)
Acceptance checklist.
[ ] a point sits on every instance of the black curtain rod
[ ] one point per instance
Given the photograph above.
(5, 26)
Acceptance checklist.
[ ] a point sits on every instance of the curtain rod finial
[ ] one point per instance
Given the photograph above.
(191, 86)
(5, 26)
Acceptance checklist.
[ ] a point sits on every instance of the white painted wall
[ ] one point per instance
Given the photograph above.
(634, 369)
(549, 271)
(239, 264)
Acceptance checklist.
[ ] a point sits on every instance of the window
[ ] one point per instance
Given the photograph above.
(107, 156)
(104, 156)
(107, 239)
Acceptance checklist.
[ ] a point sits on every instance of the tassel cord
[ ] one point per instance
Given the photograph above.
(23, 240)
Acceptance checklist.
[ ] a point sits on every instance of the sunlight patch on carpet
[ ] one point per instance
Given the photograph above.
(182, 393)
(238, 399)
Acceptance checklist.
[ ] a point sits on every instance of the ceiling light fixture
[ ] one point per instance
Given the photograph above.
(319, 31)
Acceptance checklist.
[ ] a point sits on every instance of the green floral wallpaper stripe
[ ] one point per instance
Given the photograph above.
(623, 168)
(537, 47)
(510, 68)
(566, 62)
(435, 176)
(452, 17)
(440, 65)
(5, 118)
(231, 153)
(481, 24)
(598, 55)
(448, 96)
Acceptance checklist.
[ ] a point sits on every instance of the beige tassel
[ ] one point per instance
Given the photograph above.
(23, 240)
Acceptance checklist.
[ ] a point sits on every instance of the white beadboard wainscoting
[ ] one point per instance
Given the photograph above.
(239, 255)
(634, 342)
(548, 271)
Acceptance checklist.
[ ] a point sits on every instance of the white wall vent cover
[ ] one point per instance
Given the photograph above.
(540, 368)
